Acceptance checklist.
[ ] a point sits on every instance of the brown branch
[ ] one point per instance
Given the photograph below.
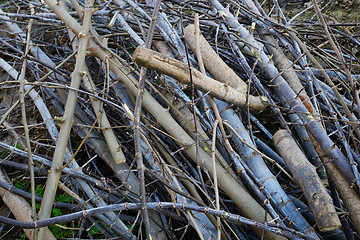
(213, 63)
(180, 71)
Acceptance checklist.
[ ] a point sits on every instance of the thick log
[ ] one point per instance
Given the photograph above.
(347, 192)
(305, 175)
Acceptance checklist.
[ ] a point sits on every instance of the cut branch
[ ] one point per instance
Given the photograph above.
(213, 63)
(180, 71)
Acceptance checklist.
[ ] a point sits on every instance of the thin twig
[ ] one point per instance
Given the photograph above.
(24, 121)
(137, 132)
(218, 223)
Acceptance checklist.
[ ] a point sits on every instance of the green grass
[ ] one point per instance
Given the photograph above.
(59, 232)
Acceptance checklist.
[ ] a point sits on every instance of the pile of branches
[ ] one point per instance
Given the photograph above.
(171, 119)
